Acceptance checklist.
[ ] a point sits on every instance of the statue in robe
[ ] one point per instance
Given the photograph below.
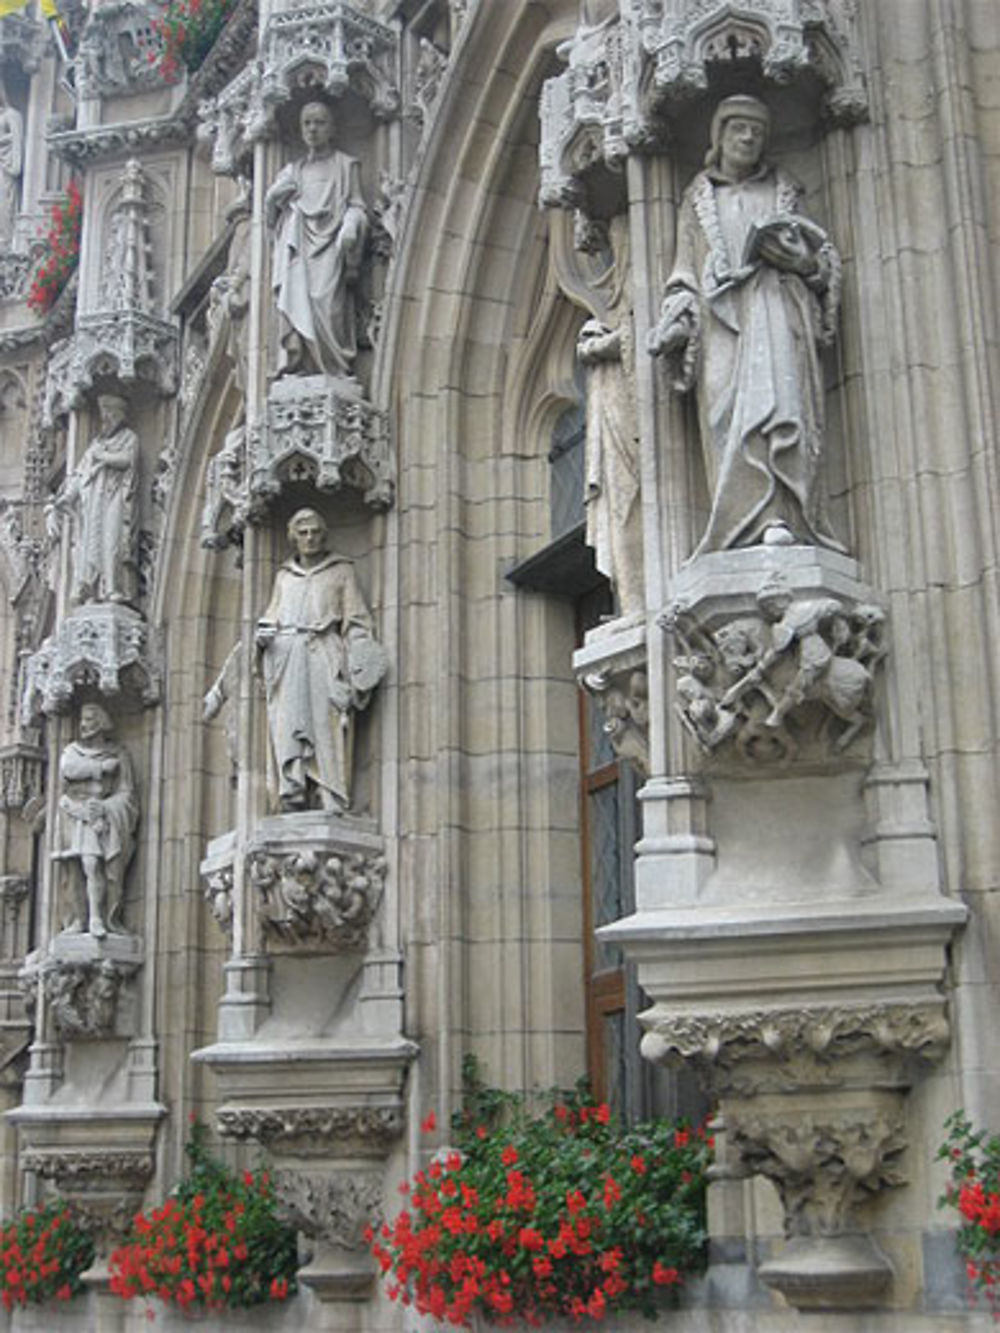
(100, 498)
(751, 300)
(320, 663)
(317, 214)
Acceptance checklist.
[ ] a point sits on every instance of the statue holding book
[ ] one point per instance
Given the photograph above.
(752, 298)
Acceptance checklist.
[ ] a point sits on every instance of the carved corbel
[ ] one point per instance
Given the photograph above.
(317, 898)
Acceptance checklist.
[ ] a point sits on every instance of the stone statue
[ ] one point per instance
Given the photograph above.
(320, 663)
(100, 498)
(98, 814)
(11, 163)
(317, 213)
(611, 492)
(753, 294)
(229, 299)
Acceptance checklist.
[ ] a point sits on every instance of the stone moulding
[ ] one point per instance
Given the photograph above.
(102, 644)
(128, 345)
(314, 1130)
(325, 432)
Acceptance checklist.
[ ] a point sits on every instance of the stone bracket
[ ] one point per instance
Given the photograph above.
(103, 644)
(611, 666)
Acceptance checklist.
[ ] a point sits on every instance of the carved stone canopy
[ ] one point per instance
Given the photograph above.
(626, 76)
(327, 50)
(119, 51)
(106, 645)
(128, 346)
(676, 42)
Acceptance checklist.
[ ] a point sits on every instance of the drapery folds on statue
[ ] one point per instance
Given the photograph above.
(320, 663)
(752, 297)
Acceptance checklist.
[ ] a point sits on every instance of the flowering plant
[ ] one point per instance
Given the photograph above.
(532, 1217)
(43, 1251)
(60, 251)
(974, 1189)
(217, 1241)
(189, 29)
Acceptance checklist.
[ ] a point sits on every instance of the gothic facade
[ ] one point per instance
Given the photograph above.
(499, 556)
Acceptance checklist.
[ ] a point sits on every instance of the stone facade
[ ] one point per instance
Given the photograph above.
(290, 740)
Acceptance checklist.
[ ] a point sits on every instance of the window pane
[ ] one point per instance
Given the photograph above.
(566, 472)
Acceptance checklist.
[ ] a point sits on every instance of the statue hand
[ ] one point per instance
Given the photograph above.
(341, 695)
(266, 631)
(95, 812)
(109, 765)
(788, 250)
(669, 337)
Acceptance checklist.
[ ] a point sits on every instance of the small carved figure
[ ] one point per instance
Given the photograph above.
(816, 630)
(229, 299)
(11, 163)
(98, 814)
(317, 212)
(100, 498)
(220, 699)
(320, 662)
(752, 296)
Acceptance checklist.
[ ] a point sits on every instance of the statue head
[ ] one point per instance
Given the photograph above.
(307, 531)
(316, 125)
(740, 129)
(112, 410)
(94, 721)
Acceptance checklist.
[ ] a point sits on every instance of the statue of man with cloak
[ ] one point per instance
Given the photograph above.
(317, 213)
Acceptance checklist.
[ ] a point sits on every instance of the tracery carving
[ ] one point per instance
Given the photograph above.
(307, 898)
(333, 1207)
(674, 42)
(334, 47)
(319, 433)
(129, 346)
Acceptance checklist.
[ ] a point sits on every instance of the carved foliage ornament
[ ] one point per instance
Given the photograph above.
(334, 1207)
(824, 1163)
(313, 1129)
(717, 1043)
